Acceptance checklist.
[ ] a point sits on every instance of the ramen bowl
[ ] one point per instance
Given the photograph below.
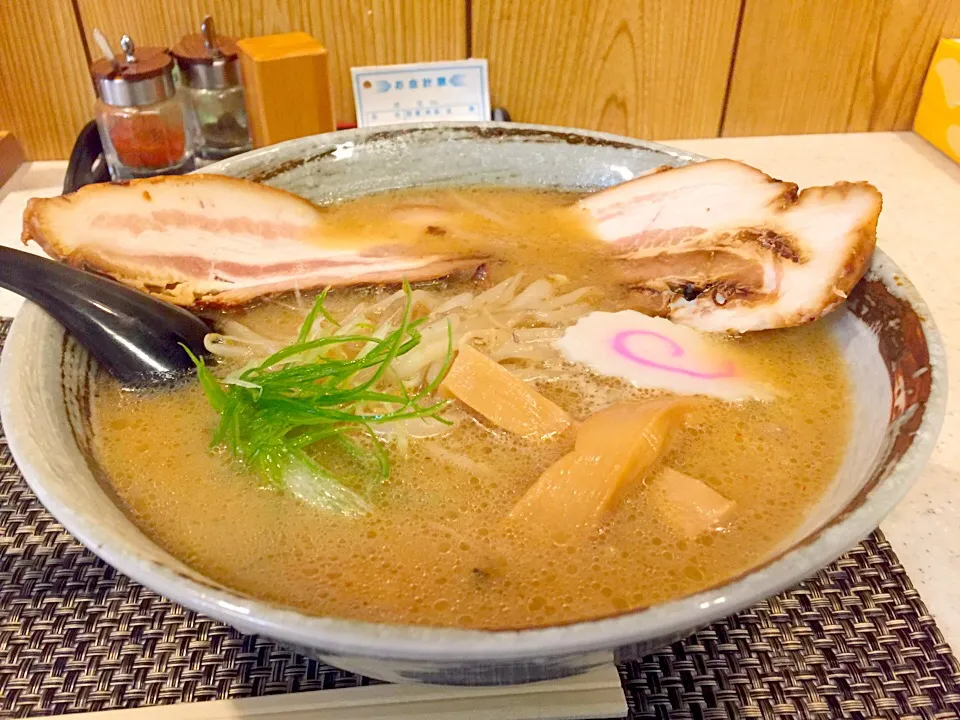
(890, 346)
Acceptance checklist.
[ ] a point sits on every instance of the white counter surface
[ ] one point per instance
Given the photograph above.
(919, 228)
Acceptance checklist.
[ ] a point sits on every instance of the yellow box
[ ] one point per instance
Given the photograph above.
(286, 82)
(938, 116)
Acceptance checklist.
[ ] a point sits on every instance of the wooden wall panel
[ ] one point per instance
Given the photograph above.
(807, 66)
(45, 92)
(357, 32)
(651, 68)
(647, 68)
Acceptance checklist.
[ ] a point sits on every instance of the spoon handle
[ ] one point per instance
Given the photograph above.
(135, 336)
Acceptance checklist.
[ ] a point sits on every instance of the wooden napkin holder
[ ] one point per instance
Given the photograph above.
(11, 156)
(286, 81)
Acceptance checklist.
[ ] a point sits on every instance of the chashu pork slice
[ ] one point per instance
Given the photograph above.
(722, 247)
(214, 241)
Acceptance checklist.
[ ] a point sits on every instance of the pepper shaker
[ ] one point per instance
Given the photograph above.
(210, 75)
(139, 116)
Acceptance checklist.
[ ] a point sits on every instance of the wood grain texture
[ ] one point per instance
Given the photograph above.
(647, 68)
(809, 66)
(287, 87)
(46, 96)
(356, 32)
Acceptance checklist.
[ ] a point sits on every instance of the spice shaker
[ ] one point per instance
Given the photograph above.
(213, 93)
(139, 116)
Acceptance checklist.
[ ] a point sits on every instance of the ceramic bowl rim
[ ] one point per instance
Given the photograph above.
(408, 642)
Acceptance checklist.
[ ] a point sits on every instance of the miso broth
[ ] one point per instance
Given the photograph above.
(434, 550)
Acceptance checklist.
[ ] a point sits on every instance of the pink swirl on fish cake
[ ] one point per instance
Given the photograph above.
(620, 346)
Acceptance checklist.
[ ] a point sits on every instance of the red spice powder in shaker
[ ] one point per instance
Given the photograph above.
(146, 141)
(139, 114)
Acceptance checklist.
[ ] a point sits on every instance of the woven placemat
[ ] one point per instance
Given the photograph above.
(75, 635)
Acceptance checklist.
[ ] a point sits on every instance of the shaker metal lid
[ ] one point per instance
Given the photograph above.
(207, 60)
(140, 76)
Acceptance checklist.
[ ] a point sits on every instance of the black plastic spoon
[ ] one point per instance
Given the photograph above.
(134, 336)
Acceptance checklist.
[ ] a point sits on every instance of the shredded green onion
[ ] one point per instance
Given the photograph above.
(275, 416)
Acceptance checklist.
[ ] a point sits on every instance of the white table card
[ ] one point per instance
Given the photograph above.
(421, 92)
